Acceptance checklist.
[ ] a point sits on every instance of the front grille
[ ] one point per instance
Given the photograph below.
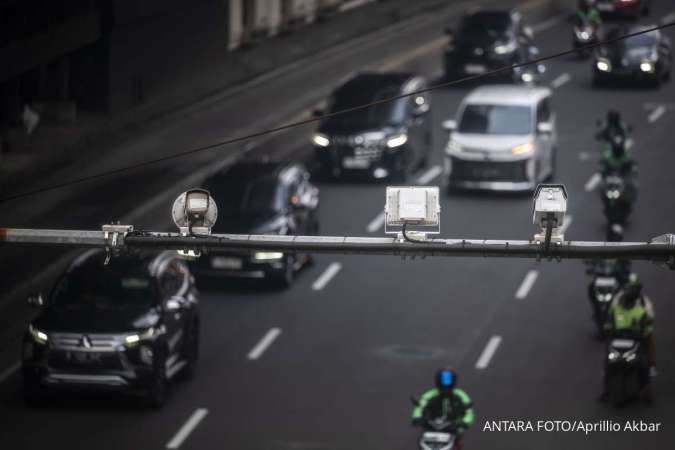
(489, 170)
(94, 342)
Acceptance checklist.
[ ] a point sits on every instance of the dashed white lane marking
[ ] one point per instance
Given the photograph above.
(429, 175)
(561, 80)
(187, 428)
(326, 276)
(488, 352)
(669, 18)
(264, 343)
(376, 223)
(656, 114)
(527, 284)
(593, 182)
(567, 221)
(8, 372)
(584, 156)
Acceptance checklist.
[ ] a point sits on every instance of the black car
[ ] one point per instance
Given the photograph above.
(632, 9)
(129, 326)
(385, 140)
(489, 40)
(261, 198)
(646, 57)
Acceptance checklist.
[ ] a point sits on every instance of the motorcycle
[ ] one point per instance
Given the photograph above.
(437, 434)
(627, 375)
(584, 35)
(617, 199)
(605, 283)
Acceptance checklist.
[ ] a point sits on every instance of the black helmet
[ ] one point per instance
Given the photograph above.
(613, 117)
(632, 291)
(446, 379)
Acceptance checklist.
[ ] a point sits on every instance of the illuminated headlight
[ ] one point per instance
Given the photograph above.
(613, 355)
(583, 35)
(604, 298)
(523, 149)
(321, 140)
(613, 194)
(397, 141)
(603, 65)
(630, 356)
(38, 336)
(527, 77)
(267, 256)
(647, 66)
(453, 147)
(133, 339)
(503, 49)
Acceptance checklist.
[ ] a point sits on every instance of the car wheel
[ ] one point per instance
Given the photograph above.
(192, 350)
(283, 278)
(156, 394)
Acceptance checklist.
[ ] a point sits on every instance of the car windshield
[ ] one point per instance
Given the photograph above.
(237, 197)
(390, 113)
(104, 288)
(496, 119)
(641, 40)
(494, 25)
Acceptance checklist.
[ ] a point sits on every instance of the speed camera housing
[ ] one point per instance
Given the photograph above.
(416, 208)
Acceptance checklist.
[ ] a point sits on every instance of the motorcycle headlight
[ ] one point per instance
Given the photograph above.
(397, 140)
(507, 47)
(38, 336)
(523, 149)
(267, 256)
(648, 67)
(321, 140)
(453, 147)
(603, 65)
(613, 194)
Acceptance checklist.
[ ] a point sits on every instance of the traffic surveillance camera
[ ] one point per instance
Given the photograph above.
(550, 206)
(414, 207)
(194, 212)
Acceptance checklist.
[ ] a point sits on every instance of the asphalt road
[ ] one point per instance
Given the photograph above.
(330, 363)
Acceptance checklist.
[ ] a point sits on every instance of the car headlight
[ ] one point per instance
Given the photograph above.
(613, 355)
(267, 256)
(453, 147)
(321, 140)
(397, 140)
(150, 333)
(527, 77)
(647, 66)
(523, 149)
(38, 336)
(603, 65)
(508, 47)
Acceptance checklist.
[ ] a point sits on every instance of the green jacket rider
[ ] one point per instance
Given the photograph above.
(587, 13)
(445, 401)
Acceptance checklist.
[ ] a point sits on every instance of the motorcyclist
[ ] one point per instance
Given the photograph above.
(588, 14)
(445, 400)
(632, 314)
(615, 158)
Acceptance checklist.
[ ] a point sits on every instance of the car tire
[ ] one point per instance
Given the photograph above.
(156, 392)
(192, 350)
(284, 278)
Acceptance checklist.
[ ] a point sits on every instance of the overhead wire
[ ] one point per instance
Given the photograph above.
(310, 120)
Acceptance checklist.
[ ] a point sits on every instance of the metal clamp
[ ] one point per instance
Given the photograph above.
(111, 233)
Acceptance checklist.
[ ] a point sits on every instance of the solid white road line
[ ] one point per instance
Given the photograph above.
(264, 343)
(8, 372)
(429, 175)
(668, 18)
(488, 352)
(656, 114)
(567, 221)
(593, 182)
(326, 276)
(376, 223)
(186, 429)
(561, 80)
(527, 284)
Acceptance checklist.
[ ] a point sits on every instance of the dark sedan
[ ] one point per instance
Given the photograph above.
(384, 140)
(489, 40)
(647, 57)
(261, 198)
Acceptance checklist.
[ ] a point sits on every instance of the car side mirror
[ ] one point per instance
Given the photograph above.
(174, 303)
(35, 300)
(449, 125)
(545, 128)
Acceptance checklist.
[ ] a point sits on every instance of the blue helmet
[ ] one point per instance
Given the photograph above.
(446, 379)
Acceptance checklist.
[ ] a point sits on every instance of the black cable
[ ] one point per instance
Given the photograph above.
(324, 116)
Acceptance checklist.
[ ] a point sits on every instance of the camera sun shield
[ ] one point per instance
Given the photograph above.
(413, 206)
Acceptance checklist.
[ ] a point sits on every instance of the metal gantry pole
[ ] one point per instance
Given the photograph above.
(122, 237)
